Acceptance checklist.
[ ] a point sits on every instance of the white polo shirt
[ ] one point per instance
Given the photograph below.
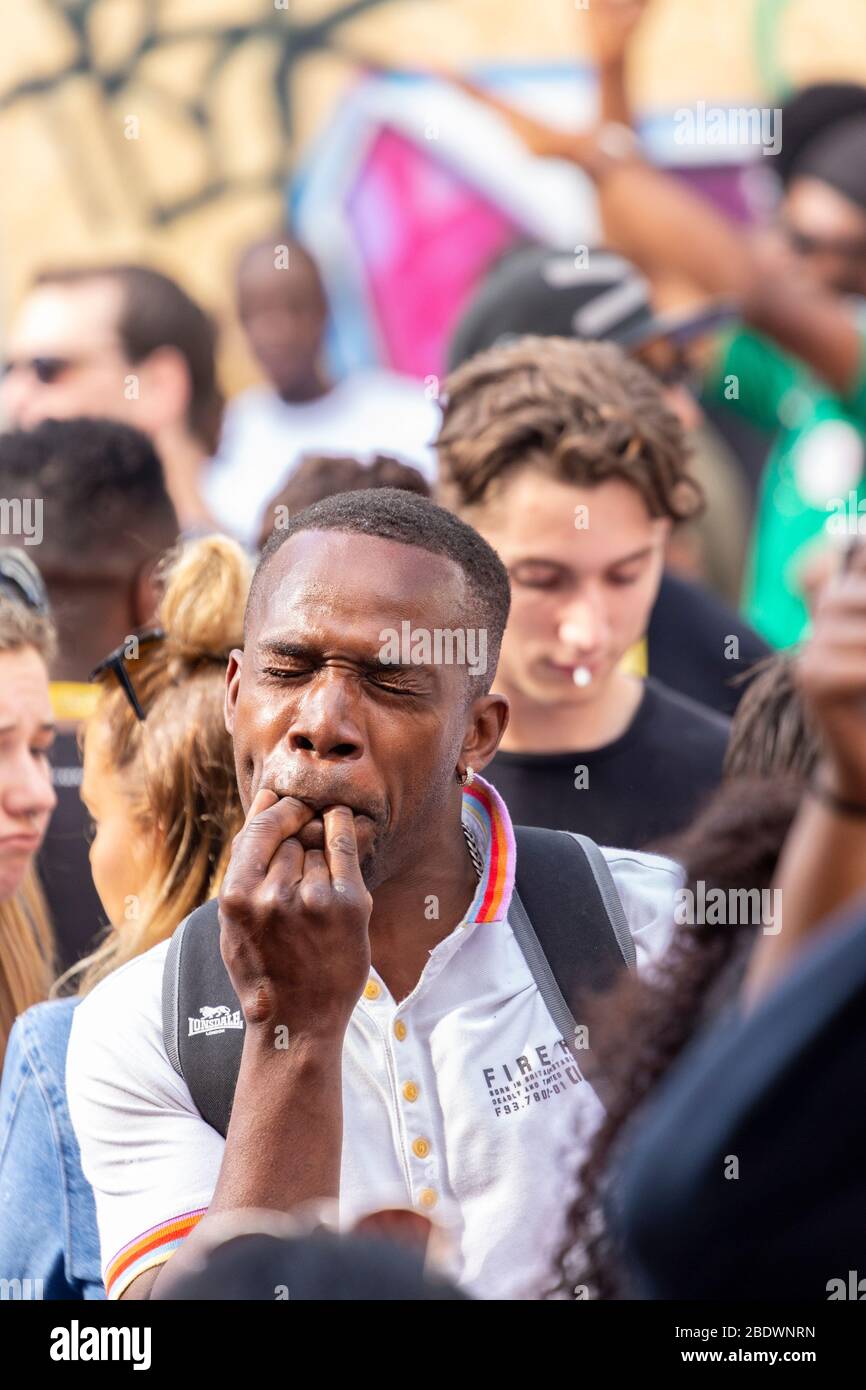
(462, 1100)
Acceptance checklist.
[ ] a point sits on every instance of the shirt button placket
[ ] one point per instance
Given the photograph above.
(423, 1165)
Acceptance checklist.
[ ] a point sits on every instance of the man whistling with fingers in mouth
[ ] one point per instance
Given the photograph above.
(364, 915)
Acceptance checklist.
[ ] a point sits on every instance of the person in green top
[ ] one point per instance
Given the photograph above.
(813, 482)
(797, 366)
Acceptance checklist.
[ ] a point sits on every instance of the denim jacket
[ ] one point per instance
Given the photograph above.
(47, 1214)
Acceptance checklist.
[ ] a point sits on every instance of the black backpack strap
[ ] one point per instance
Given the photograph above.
(609, 894)
(203, 1027)
(569, 921)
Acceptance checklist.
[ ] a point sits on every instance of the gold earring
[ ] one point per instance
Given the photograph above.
(466, 778)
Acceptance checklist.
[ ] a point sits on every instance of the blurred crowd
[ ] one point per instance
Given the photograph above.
(515, 1063)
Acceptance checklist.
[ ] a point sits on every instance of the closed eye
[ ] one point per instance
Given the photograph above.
(622, 578)
(283, 673)
(630, 568)
(536, 574)
(390, 685)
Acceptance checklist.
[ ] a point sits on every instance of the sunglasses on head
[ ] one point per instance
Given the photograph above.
(116, 662)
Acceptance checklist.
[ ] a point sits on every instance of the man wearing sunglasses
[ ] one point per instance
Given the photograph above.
(120, 342)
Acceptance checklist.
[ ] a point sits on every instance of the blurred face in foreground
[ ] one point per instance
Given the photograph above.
(316, 714)
(27, 795)
(585, 565)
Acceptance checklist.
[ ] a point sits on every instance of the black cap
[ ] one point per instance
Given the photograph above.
(813, 124)
(600, 295)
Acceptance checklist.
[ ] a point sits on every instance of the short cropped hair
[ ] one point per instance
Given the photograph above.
(101, 487)
(583, 412)
(409, 519)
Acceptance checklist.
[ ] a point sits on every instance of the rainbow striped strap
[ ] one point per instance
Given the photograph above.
(148, 1250)
(487, 817)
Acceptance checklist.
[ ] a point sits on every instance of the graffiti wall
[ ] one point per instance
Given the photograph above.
(177, 131)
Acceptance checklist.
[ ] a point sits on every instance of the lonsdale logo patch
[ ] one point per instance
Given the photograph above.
(215, 1019)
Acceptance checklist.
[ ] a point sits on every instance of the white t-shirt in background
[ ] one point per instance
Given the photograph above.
(264, 438)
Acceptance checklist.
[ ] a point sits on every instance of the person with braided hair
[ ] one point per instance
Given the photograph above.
(567, 459)
(783, 1064)
(734, 845)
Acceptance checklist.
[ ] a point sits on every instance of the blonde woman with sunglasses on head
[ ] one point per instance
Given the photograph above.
(159, 784)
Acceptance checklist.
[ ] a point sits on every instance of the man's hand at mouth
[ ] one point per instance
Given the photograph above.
(294, 915)
(312, 835)
(318, 800)
(293, 934)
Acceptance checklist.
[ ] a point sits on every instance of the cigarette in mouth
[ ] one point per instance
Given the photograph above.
(582, 676)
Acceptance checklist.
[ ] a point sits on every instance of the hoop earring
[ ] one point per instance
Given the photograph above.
(466, 778)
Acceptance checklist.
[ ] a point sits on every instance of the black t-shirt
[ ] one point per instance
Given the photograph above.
(689, 645)
(646, 784)
(64, 866)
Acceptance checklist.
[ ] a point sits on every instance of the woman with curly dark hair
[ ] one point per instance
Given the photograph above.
(733, 846)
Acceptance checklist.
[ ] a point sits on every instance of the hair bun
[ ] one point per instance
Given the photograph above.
(205, 587)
